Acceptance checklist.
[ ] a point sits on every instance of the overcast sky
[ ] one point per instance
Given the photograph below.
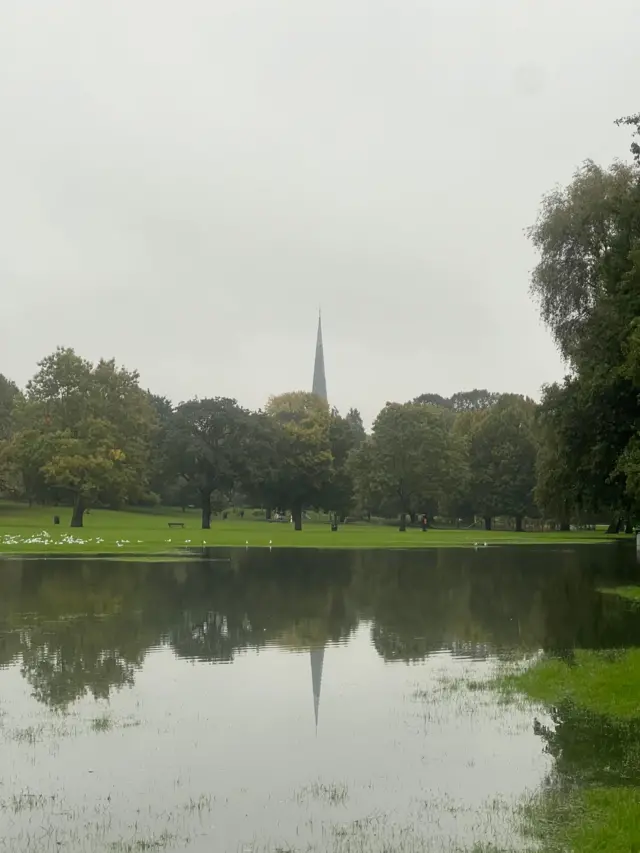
(183, 183)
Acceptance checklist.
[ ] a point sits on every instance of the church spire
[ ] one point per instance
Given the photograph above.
(319, 380)
(317, 660)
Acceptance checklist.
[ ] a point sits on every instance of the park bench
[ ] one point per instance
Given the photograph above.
(176, 524)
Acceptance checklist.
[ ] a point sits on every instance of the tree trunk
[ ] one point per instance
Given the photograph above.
(403, 522)
(296, 512)
(78, 512)
(268, 513)
(518, 524)
(614, 527)
(184, 509)
(565, 526)
(206, 511)
(487, 522)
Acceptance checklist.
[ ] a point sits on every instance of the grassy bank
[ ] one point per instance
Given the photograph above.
(631, 593)
(590, 820)
(31, 531)
(606, 683)
(592, 801)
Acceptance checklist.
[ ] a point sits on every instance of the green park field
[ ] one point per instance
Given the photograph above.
(26, 530)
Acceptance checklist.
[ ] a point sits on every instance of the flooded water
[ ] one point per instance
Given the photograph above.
(289, 701)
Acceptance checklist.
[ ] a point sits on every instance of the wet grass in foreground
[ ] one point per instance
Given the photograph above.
(604, 682)
(591, 802)
(631, 593)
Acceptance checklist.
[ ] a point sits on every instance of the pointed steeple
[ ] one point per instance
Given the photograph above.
(319, 387)
(317, 660)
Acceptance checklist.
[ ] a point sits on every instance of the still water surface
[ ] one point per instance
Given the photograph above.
(285, 700)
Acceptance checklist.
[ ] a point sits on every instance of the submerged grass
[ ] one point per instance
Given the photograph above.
(102, 724)
(335, 794)
(592, 801)
(26, 801)
(203, 803)
(140, 845)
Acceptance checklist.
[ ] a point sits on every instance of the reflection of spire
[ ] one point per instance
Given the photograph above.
(319, 387)
(317, 659)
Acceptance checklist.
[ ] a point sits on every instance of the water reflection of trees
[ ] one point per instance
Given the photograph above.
(591, 748)
(85, 627)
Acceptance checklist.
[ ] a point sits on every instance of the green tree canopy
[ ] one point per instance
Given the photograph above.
(210, 447)
(85, 430)
(584, 234)
(10, 395)
(412, 461)
(304, 458)
(588, 284)
(502, 460)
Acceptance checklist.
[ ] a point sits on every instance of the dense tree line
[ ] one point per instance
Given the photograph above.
(88, 434)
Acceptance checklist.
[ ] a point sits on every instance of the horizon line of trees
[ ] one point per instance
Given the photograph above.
(89, 434)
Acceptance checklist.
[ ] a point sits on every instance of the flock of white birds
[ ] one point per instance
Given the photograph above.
(45, 538)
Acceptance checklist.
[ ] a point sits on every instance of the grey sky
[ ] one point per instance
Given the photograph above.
(182, 183)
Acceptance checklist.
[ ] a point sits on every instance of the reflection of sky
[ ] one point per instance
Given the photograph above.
(244, 733)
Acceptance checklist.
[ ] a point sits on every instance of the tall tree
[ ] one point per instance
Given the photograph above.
(584, 234)
(369, 488)
(9, 396)
(163, 482)
(345, 435)
(92, 424)
(588, 285)
(210, 447)
(305, 462)
(358, 432)
(502, 461)
(557, 492)
(412, 459)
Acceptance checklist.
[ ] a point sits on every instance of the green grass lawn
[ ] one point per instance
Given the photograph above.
(139, 532)
(588, 820)
(631, 593)
(606, 683)
(603, 690)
